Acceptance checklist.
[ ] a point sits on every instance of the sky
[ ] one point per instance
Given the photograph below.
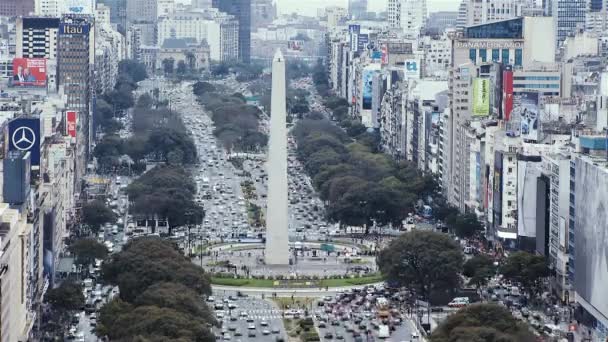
(309, 7)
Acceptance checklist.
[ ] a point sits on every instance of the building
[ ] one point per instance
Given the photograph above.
(109, 51)
(118, 13)
(14, 8)
(194, 56)
(357, 9)
(14, 241)
(75, 61)
(588, 236)
(437, 56)
(569, 16)
(408, 15)
(487, 11)
(241, 10)
(143, 15)
(438, 22)
(165, 7)
(263, 13)
(36, 37)
(335, 16)
(196, 25)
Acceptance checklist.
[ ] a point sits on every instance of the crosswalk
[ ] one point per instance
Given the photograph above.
(267, 314)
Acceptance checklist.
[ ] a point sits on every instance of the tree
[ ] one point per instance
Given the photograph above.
(423, 261)
(96, 213)
(480, 269)
(201, 88)
(483, 323)
(181, 67)
(133, 68)
(87, 250)
(120, 99)
(168, 65)
(66, 297)
(465, 225)
(144, 262)
(527, 269)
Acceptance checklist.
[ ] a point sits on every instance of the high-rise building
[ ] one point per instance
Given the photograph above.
(13, 8)
(75, 60)
(407, 15)
(263, 12)
(438, 22)
(357, 8)
(118, 13)
(241, 9)
(143, 14)
(36, 37)
(486, 11)
(569, 16)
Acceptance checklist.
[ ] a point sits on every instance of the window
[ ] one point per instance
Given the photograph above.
(483, 54)
(473, 55)
(505, 56)
(495, 55)
(518, 57)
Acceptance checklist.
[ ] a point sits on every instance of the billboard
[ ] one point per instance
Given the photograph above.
(528, 173)
(24, 135)
(78, 7)
(295, 45)
(354, 30)
(591, 236)
(384, 51)
(70, 123)
(29, 72)
(367, 88)
(497, 189)
(507, 93)
(481, 97)
(412, 68)
(362, 41)
(527, 108)
(66, 28)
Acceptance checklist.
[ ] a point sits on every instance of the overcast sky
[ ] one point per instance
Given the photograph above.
(309, 7)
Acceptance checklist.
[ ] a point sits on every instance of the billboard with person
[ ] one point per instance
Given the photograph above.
(367, 87)
(527, 107)
(29, 72)
(481, 97)
(295, 45)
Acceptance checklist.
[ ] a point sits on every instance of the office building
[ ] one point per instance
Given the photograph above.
(143, 14)
(14, 8)
(241, 10)
(407, 15)
(357, 9)
(438, 22)
(118, 13)
(75, 61)
(487, 11)
(569, 17)
(263, 13)
(36, 37)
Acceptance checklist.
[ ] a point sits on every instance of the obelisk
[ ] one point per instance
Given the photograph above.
(277, 240)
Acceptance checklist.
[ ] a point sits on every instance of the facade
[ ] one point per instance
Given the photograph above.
(335, 15)
(75, 61)
(14, 240)
(14, 8)
(143, 15)
(263, 12)
(118, 13)
(438, 22)
(487, 11)
(109, 51)
(569, 16)
(408, 15)
(357, 8)
(241, 10)
(36, 37)
(195, 56)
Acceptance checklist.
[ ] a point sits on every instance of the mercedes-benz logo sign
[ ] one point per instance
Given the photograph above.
(23, 138)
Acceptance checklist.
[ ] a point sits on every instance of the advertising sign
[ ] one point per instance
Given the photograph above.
(497, 189)
(527, 108)
(412, 68)
(78, 7)
(24, 135)
(354, 30)
(362, 41)
(70, 123)
(295, 45)
(376, 56)
(66, 28)
(481, 97)
(29, 72)
(368, 80)
(384, 51)
(507, 93)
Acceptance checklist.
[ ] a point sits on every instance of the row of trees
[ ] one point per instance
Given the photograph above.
(431, 265)
(358, 184)
(236, 122)
(166, 191)
(160, 295)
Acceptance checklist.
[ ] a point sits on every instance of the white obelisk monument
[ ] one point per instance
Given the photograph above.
(277, 240)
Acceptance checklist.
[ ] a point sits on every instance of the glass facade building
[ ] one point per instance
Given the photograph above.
(569, 15)
(506, 29)
(241, 9)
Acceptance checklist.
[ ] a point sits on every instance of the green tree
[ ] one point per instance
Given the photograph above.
(527, 269)
(66, 297)
(482, 323)
(96, 213)
(144, 262)
(424, 261)
(133, 68)
(168, 65)
(465, 225)
(480, 269)
(181, 67)
(87, 250)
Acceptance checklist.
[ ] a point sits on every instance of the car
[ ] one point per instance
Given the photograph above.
(251, 333)
(339, 336)
(226, 336)
(264, 323)
(238, 333)
(231, 327)
(275, 330)
(251, 327)
(322, 325)
(265, 332)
